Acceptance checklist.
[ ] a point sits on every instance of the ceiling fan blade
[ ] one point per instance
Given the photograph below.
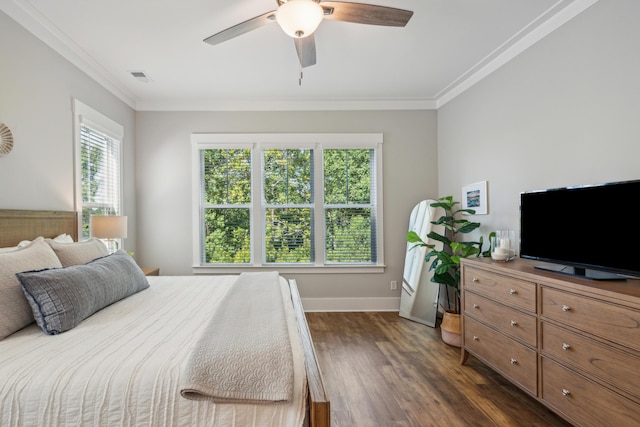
(306, 48)
(361, 13)
(241, 28)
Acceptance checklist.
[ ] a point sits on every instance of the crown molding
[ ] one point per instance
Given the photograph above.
(292, 105)
(552, 19)
(555, 17)
(32, 20)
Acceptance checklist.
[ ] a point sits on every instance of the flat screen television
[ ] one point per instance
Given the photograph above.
(583, 230)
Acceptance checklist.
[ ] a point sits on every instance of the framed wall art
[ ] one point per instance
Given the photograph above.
(474, 196)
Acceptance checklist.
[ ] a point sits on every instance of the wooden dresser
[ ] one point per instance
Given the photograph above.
(571, 343)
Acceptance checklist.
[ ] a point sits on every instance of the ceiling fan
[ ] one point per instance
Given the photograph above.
(300, 18)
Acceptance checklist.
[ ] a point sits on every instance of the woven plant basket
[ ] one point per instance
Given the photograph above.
(451, 328)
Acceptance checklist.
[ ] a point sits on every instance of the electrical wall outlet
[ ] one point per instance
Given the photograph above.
(394, 285)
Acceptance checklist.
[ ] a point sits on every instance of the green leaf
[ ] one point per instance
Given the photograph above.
(438, 237)
(456, 246)
(469, 211)
(445, 279)
(468, 228)
(412, 237)
(469, 251)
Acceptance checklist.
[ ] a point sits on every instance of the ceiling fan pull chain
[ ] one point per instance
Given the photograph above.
(300, 78)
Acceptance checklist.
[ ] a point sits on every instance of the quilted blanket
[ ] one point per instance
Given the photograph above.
(244, 353)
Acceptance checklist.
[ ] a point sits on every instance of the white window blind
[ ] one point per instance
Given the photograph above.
(350, 205)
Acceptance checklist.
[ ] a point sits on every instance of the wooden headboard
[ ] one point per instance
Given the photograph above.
(18, 225)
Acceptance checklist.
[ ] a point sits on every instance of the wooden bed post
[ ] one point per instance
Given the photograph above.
(319, 407)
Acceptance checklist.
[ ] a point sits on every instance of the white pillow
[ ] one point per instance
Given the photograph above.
(15, 312)
(78, 253)
(8, 249)
(61, 238)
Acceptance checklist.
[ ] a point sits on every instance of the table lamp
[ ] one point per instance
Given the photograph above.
(109, 228)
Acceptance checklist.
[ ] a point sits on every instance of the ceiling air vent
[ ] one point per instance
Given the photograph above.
(140, 76)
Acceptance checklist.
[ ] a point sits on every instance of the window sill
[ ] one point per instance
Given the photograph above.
(361, 269)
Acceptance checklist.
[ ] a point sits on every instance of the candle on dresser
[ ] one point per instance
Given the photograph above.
(505, 243)
(501, 254)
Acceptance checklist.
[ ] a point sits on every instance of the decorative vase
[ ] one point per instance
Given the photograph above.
(503, 245)
(451, 328)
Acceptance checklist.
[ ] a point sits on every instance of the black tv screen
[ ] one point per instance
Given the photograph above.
(584, 230)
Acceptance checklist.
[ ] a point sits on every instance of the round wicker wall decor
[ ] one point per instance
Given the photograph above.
(6, 140)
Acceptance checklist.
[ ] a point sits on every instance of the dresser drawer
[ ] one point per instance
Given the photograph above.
(610, 321)
(608, 364)
(512, 359)
(584, 402)
(508, 320)
(511, 291)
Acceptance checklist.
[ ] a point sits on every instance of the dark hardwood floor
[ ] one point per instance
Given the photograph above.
(383, 370)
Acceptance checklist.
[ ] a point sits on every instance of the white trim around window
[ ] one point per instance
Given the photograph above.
(256, 142)
(85, 116)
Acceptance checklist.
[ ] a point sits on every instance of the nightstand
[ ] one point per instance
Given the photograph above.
(151, 271)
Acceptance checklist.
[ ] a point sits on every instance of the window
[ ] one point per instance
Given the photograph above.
(98, 165)
(350, 232)
(226, 210)
(287, 200)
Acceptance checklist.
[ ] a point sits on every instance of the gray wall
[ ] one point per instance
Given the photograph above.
(164, 188)
(565, 112)
(36, 90)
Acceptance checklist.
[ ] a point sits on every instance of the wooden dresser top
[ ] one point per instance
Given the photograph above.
(525, 269)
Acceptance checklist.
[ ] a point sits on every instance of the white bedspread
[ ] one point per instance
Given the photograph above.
(122, 366)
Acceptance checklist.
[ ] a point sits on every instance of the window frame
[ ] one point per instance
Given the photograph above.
(87, 116)
(258, 142)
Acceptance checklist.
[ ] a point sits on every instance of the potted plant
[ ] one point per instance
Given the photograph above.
(444, 260)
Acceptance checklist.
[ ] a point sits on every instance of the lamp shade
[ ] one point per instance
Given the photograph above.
(108, 227)
(299, 18)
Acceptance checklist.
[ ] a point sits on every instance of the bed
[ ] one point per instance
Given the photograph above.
(134, 361)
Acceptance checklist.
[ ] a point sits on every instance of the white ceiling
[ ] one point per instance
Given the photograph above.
(446, 47)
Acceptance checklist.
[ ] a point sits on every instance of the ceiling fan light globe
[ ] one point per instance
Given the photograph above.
(299, 18)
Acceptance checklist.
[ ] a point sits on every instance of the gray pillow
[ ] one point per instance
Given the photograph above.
(61, 298)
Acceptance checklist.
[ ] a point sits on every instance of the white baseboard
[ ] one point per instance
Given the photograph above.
(351, 304)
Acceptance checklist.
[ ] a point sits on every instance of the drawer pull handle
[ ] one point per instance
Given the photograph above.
(565, 392)
(565, 346)
(476, 306)
(475, 338)
(514, 323)
(475, 279)
(514, 361)
(565, 307)
(512, 292)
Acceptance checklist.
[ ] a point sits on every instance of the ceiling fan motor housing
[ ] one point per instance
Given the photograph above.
(299, 18)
